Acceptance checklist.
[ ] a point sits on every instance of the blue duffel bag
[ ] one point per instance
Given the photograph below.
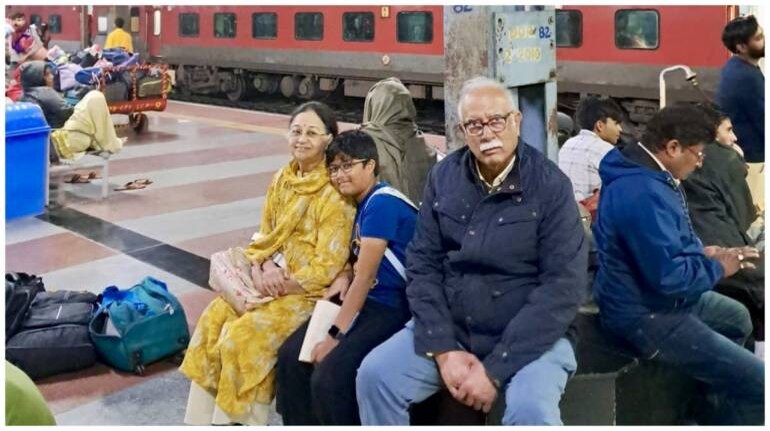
(137, 326)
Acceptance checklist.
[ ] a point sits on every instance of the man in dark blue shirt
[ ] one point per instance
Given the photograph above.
(741, 93)
(495, 273)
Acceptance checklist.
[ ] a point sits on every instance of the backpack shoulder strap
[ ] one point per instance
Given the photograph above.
(389, 255)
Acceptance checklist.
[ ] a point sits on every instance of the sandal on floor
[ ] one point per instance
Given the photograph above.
(135, 185)
(93, 176)
(78, 179)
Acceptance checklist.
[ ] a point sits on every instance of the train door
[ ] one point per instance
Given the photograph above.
(153, 20)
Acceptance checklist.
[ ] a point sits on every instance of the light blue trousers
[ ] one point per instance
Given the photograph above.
(393, 376)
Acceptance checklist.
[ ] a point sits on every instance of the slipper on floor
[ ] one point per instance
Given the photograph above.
(78, 179)
(93, 176)
(135, 185)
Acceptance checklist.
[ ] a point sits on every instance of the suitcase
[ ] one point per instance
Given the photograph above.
(116, 92)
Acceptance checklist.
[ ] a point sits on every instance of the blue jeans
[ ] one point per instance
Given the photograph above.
(393, 376)
(706, 342)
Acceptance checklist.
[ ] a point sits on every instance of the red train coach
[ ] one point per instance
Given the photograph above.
(304, 50)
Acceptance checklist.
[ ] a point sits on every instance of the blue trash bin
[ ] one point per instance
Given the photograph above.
(26, 160)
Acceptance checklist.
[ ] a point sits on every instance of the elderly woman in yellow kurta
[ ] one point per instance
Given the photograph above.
(230, 358)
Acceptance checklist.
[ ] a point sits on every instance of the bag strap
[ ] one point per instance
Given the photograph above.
(389, 255)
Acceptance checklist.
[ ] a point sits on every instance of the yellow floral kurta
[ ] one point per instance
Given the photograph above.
(233, 355)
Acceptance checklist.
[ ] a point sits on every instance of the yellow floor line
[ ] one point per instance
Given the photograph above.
(223, 123)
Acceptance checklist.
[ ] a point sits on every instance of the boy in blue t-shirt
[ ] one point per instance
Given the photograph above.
(372, 287)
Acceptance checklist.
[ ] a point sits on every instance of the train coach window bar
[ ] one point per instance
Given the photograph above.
(264, 25)
(189, 25)
(358, 26)
(134, 25)
(308, 26)
(637, 29)
(569, 28)
(415, 27)
(224, 25)
(54, 23)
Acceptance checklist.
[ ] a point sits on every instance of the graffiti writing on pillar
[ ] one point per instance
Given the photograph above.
(461, 9)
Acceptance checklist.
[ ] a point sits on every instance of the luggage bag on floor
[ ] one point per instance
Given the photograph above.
(140, 325)
(53, 337)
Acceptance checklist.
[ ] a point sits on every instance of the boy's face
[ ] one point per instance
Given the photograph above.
(351, 177)
(19, 22)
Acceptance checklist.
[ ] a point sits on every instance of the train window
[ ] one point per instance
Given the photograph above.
(308, 26)
(264, 25)
(569, 28)
(54, 23)
(415, 27)
(134, 25)
(224, 25)
(189, 25)
(101, 25)
(358, 26)
(35, 19)
(637, 29)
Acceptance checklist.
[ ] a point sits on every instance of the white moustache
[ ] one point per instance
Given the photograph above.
(490, 145)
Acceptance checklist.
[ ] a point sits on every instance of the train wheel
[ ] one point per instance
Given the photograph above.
(138, 122)
(239, 89)
(308, 88)
(289, 85)
(265, 83)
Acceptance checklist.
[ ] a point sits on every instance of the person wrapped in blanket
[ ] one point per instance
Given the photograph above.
(24, 43)
(231, 356)
(85, 127)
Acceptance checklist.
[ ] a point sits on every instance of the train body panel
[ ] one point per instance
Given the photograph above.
(225, 48)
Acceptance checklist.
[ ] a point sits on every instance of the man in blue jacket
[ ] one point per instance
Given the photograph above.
(655, 279)
(741, 92)
(495, 273)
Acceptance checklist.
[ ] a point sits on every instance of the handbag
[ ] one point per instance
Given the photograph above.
(230, 276)
(140, 325)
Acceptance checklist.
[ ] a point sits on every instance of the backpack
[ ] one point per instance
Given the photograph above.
(53, 337)
(20, 290)
(139, 325)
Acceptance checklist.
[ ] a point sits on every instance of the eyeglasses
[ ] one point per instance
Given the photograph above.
(496, 124)
(310, 133)
(345, 167)
(698, 154)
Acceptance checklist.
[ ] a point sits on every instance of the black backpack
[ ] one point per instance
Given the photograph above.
(20, 290)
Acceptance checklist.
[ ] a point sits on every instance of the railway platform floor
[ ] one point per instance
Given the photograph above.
(210, 168)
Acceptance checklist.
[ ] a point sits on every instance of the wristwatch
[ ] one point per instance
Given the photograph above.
(335, 333)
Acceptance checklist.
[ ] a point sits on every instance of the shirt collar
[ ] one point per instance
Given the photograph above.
(500, 178)
(662, 167)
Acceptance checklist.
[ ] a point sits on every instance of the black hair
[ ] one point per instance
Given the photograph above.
(738, 31)
(18, 15)
(119, 22)
(592, 109)
(354, 144)
(684, 122)
(712, 113)
(325, 113)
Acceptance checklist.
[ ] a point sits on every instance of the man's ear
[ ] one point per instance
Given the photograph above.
(672, 146)
(599, 126)
(742, 48)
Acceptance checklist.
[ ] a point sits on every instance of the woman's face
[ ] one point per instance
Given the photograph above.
(308, 138)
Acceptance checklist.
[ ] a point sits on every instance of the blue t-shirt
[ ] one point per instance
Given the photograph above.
(386, 217)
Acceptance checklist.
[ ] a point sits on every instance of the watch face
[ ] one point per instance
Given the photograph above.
(334, 331)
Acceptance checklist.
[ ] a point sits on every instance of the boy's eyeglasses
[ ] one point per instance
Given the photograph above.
(345, 167)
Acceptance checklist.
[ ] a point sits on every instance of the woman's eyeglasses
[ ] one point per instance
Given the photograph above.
(310, 133)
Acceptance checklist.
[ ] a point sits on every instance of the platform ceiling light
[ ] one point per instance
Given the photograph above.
(385, 12)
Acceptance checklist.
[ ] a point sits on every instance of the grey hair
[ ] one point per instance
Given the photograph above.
(480, 82)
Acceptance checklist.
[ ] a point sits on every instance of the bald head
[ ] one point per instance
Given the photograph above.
(482, 83)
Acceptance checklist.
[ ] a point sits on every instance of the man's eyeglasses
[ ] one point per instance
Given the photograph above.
(698, 154)
(496, 124)
(310, 133)
(345, 167)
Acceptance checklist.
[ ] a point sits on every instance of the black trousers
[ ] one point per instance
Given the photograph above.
(325, 394)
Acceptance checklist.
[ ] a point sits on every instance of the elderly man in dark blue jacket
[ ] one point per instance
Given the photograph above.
(655, 279)
(495, 273)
